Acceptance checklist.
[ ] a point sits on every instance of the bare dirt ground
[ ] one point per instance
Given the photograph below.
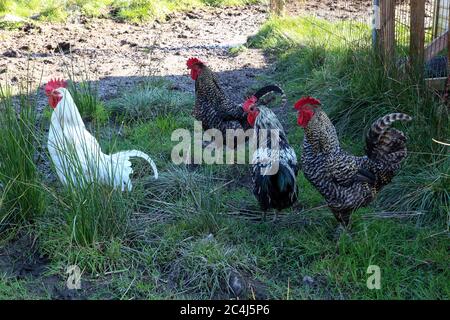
(118, 54)
(332, 10)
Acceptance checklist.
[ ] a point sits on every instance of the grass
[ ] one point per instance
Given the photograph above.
(150, 101)
(86, 98)
(133, 10)
(21, 197)
(235, 51)
(195, 230)
(11, 288)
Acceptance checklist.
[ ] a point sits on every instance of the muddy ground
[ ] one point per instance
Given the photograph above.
(119, 54)
(332, 10)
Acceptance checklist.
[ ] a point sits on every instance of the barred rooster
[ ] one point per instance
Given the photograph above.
(274, 163)
(212, 106)
(348, 182)
(76, 154)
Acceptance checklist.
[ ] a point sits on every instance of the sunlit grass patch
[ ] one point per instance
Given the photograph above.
(278, 34)
(136, 11)
(235, 51)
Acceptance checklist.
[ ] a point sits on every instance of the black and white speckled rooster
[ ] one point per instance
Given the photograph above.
(348, 182)
(212, 106)
(274, 163)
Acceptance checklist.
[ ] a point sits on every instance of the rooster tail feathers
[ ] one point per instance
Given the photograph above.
(383, 141)
(385, 122)
(272, 88)
(286, 179)
(277, 191)
(126, 155)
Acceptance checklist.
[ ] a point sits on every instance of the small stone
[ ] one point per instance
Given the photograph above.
(11, 18)
(63, 47)
(10, 54)
(309, 281)
(170, 16)
(174, 86)
(236, 284)
(192, 15)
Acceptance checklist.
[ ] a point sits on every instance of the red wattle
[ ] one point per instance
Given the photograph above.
(304, 117)
(251, 117)
(53, 101)
(248, 103)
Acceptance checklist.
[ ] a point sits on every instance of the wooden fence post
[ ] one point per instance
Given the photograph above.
(417, 38)
(448, 46)
(386, 36)
(447, 81)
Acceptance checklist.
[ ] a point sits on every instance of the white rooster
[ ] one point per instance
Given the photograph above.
(76, 154)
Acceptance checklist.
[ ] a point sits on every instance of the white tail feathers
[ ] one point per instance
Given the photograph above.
(120, 168)
(139, 154)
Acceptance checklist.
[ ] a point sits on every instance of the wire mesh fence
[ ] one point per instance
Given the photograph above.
(440, 16)
(435, 22)
(435, 34)
(404, 30)
(402, 26)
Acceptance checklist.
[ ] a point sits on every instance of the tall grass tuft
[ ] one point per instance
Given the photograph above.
(22, 194)
(95, 214)
(85, 93)
(151, 100)
(86, 98)
(422, 188)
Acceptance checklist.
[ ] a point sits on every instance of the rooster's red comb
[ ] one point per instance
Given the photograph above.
(55, 84)
(306, 100)
(193, 61)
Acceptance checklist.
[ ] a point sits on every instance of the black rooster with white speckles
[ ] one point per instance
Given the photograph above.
(274, 162)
